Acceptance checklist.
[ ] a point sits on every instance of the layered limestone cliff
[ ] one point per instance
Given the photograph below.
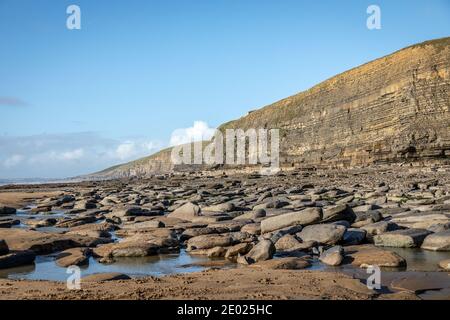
(393, 109)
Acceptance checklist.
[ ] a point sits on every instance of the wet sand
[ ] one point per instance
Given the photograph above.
(242, 283)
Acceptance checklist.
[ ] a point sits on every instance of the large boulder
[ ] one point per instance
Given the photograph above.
(132, 211)
(238, 249)
(379, 227)
(445, 264)
(40, 223)
(333, 256)
(408, 238)
(287, 242)
(421, 220)
(354, 236)
(264, 250)
(73, 257)
(305, 217)
(5, 210)
(338, 212)
(44, 242)
(151, 224)
(439, 241)
(209, 241)
(366, 217)
(8, 222)
(85, 204)
(74, 222)
(187, 211)
(4, 249)
(17, 259)
(254, 214)
(194, 232)
(367, 255)
(323, 233)
(126, 249)
(222, 207)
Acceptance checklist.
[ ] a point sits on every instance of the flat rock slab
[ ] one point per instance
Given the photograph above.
(16, 259)
(4, 249)
(338, 212)
(408, 238)
(263, 250)
(322, 233)
(187, 211)
(126, 249)
(288, 263)
(45, 243)
(209, 241)
(368, 255)
(101, 277)
(5, 210)
(8, 223)
(423, 282)
(439, 241)
(73, 257)
(445, 264)
(304, 217)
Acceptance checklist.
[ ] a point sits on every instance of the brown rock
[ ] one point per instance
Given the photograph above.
(368, 255)
(187, 212)
(16, 259)
(100, 277)
(4, 249)
(304, 217)
(288, 263)
(73, 257)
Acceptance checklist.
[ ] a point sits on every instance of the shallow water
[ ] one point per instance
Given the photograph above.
(421, 260)
(45, 267)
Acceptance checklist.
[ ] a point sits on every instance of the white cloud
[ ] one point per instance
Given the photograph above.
(73, 154)
(64, 155)
(13, 160)
(125, 150)
(130, 149)
(199, 131)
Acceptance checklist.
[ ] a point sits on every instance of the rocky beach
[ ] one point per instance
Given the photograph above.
(299, 234)
(219, 150)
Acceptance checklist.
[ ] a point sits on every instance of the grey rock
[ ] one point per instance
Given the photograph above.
(439, 241)
(17, 259)
(4, 249)
(408, 238)
(333, 256)
(354, 236)
(264, 250)
(187, 212)
(323, 233)
(304, 217)
(5, 210)
(338, 212)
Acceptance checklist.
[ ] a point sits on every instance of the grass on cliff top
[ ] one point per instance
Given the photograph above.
(286, 108)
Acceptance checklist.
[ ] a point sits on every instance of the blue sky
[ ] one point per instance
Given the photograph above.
(76, 101)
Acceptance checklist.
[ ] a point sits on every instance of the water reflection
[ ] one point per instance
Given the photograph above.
(45, 267)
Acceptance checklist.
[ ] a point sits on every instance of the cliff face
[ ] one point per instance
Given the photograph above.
(157, 163)
(395, 108)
